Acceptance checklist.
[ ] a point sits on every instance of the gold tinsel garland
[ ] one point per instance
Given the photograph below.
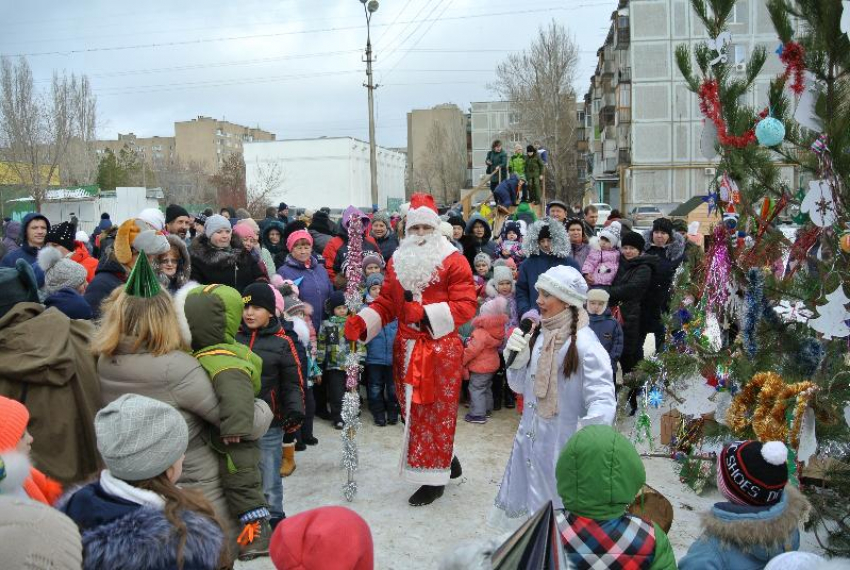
(767, 396)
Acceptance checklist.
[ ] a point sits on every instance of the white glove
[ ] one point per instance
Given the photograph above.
(518, 342)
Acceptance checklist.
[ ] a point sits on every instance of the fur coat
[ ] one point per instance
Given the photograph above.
(234, 266)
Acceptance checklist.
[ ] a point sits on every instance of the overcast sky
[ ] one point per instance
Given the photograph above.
(289, 66)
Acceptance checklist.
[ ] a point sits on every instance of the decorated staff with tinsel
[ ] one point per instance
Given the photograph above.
(429, 289)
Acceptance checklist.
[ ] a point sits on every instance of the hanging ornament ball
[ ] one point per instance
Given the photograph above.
(770, 132)
(844, 242)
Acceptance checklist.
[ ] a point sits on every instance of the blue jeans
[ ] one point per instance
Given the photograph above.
(270, 460)
(381, 392)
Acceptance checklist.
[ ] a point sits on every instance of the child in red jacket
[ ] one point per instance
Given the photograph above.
(15, 444)
(481, 357)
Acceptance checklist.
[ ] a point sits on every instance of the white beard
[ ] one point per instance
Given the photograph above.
(417, 261)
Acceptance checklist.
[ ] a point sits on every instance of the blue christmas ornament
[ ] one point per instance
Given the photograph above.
(656, 398)
(770, 132)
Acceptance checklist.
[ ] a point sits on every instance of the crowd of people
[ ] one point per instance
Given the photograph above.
(158, 376)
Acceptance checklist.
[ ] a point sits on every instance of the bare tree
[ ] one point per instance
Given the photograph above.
(185, 183)
(442, 170)
(268, 180)
(539, 81)
(36, 129)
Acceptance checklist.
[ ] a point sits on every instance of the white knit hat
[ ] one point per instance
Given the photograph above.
(153, 217)
(612, 233)
(422, 212)
(502, 273)
(565, 283)
(36, 536)
(82, 236)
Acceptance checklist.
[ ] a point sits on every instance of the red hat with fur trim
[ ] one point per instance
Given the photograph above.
(422, 212)
(327, 537)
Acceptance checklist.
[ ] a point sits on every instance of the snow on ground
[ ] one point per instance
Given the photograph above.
(415, 538)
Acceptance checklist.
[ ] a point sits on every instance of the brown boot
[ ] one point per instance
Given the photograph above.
(288, 464)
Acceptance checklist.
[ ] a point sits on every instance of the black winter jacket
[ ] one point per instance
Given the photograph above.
(283, 376)
(234, 267)
(657, 299)
(628, 291)
(108, 276)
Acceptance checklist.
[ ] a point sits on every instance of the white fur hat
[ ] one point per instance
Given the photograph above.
(447, 230)
(153, 217)
(612, 233)
(422, 212)
(565, 283)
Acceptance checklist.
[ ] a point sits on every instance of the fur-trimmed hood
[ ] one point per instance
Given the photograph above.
(488, 231)
(560, 242)
(184, 267)
(145, 539)
(490, 288)
(493, 325)
(675, 248)
(758, 530)
(203, 249)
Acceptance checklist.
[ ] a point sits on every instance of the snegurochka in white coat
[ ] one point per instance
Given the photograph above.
(556, 404)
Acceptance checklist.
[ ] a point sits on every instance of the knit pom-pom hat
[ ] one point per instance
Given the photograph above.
(753, 473)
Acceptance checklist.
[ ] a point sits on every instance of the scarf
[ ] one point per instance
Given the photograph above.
(556, 331)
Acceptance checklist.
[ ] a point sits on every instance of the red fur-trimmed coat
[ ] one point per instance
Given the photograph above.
(435, 358)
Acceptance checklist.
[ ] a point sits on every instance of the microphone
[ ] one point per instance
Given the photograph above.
(525, 326)
(408, 296)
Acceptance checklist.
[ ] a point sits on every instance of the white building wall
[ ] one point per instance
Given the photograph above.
(667, 164)
(331, 172)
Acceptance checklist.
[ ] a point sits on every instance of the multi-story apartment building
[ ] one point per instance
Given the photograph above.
(209, 142)
(642, 123)
(156, 152)
(440, 129)
(203, 141)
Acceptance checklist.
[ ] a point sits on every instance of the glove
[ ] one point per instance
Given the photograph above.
(413, 311)
(292, 422)
(518, 342)
(355, 328)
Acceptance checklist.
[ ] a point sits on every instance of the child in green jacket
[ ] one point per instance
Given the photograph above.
(333, 353)
(213, 313)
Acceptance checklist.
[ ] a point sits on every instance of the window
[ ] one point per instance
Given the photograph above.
(513, 118)
(516, 137)
(622, 22)
(738, 53)
(624, 95)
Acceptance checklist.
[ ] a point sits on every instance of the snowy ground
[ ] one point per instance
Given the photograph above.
(415, 538)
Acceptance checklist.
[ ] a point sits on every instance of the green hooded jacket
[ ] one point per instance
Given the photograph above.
(214, 313)
(599, 473)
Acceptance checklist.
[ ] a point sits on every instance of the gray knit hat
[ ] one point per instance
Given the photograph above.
(482, 258)
(374, 279)
(502, 273)
(60, 271)
(382, 216)
(215, 223)
(292, 303)
(139, 437)
(36, 536)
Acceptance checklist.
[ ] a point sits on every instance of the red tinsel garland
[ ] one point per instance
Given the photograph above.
(792, 56)
(709, 104)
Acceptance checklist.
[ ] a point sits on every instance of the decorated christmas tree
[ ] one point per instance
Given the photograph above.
(764, 318)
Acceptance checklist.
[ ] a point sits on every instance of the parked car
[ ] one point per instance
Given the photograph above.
(604, 211)
(643, 216)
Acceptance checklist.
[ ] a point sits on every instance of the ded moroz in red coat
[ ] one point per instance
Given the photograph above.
(428, 364)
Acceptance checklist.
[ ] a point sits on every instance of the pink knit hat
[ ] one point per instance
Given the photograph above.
(244, 230)
(297, 235)
(278, 300)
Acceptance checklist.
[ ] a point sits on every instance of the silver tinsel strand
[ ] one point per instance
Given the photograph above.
(351, 399)
(350, 460)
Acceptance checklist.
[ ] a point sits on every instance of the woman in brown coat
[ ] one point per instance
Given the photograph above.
(141, 350)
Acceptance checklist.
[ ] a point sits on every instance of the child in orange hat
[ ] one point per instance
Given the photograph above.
(15, 445)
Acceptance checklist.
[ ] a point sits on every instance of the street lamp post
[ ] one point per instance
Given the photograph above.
(370, 7)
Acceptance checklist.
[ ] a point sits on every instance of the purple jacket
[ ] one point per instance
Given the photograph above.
(602, 265)
(315, 286)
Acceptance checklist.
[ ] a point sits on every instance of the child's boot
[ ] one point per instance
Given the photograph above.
(254, 539)
(287, 466)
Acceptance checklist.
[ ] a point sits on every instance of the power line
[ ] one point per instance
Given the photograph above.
(281, 34)
(425, 33)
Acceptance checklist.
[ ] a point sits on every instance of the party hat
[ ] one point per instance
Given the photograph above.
(536, 545)
(142, 281)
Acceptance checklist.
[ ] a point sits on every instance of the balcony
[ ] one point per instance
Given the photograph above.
(623, 38)
(609, 165)
(607, 68)
(607, 116)
(624, 157)
(624, 75)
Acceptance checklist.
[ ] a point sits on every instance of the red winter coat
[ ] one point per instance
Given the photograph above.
(84, 258)
(334, 245)
(481, 354)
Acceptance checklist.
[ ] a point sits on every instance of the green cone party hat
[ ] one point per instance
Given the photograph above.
(142, 281)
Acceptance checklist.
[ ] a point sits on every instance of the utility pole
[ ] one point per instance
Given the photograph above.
(370, 7)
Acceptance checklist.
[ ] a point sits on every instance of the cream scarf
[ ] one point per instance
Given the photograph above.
(556, 331)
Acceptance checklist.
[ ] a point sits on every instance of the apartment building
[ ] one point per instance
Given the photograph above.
(156, 152)
(642, 125)
(204, 141)
(209, 142)
(436, 146)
